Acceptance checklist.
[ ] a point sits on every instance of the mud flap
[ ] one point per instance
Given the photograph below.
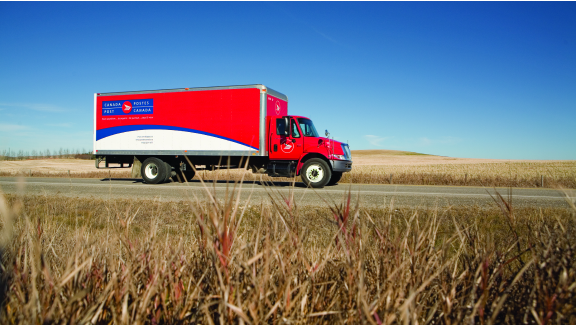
(136, 168)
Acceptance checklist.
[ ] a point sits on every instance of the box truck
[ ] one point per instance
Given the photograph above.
(248, 126)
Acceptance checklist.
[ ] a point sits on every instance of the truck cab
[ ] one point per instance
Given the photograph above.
(296, 148)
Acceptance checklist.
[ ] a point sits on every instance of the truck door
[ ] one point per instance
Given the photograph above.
(286, 141)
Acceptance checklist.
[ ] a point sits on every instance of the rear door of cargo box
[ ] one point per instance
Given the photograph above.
(192, 122)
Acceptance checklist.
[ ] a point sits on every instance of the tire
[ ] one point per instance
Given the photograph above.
(153, 171)
(336, 176)
(168, 172)
(315, 173)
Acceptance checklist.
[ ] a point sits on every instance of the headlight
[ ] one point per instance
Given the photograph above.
(339, 157)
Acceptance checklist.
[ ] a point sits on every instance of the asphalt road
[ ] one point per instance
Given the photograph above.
(370, 195)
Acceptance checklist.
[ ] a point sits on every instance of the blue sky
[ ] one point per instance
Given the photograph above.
(459, 79)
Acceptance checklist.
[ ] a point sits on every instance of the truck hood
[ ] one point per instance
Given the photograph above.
(326, 146)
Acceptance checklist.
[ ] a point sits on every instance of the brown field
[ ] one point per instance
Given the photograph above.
(407, 158)
(75, 260)
(78, 168)
(370, 167)
(398, 167)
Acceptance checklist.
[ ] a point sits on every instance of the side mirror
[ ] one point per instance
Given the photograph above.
(287, 128)
(283, 126)
(326, 133)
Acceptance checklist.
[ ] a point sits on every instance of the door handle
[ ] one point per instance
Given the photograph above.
(275, 147)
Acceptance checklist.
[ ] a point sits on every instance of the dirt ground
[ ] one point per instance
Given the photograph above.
(360, 158)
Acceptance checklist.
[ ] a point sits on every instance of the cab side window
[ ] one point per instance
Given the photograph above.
(295, 132)
(280, 127)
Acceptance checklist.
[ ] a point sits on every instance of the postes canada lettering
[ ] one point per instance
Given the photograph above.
(135, 110)
(142, 110)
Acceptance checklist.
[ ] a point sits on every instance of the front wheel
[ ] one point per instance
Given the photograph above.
(336, 176)
(316, 173)
(153, 171)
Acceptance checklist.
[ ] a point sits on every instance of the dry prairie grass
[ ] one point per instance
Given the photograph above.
(394, 157)
(400, 167)
(74, 168)
(508, 174)
(121, 261)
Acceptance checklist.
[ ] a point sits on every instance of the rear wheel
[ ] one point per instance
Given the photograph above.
(153, 171)
(336, 176)
(316, 173)
(168, 172)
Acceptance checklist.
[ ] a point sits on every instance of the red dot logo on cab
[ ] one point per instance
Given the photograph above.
(287, 146)
(127, 107)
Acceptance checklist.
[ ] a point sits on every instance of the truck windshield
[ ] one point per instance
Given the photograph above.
(307, 127)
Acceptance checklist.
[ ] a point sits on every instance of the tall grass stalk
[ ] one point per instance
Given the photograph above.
(212, 260)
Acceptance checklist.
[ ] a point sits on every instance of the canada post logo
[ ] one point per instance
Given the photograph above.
(128, 107)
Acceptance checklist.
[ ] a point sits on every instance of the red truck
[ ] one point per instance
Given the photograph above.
(166, 130)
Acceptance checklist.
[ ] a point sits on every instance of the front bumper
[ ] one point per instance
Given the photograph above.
(341, 165)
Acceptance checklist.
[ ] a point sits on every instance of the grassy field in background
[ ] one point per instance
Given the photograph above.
(80, 260)
(505, 174)
(369, 167)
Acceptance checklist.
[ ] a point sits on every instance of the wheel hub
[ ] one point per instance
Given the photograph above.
(315, 173)
(151, 170)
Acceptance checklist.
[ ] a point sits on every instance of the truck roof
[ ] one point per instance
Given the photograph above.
(259, 86)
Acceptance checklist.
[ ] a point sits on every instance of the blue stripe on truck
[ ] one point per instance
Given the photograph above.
(103, 133)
